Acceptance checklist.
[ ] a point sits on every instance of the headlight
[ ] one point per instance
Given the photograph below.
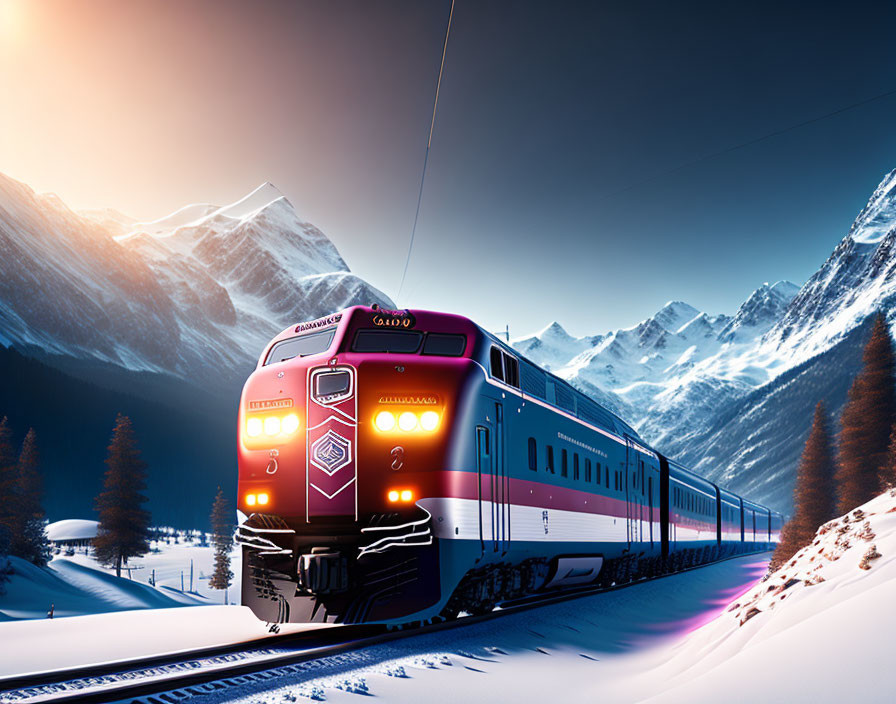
(254, 427)
(272, 425)
(385, 421)
(429, 420)
(407, 421)
(290, 424)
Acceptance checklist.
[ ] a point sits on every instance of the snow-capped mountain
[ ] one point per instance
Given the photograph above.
(732, 395)
(205, 282)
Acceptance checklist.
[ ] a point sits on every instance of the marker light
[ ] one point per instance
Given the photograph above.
(393, 496)
(253, 427)
(272, 425)
(262, 499)
(407, 495)
(429, 420)
(290, 424)
(384, 421)
(407, 421)
(250, 499)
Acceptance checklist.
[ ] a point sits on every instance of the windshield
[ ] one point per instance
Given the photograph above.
(301, 346)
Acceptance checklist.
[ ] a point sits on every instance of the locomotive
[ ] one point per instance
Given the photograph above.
(402, 466)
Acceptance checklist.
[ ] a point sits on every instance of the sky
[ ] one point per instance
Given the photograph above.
(554, 188)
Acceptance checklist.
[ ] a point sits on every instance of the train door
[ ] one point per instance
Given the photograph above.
(500, 486)
(484, 470)
(631, 510)
(650, 508)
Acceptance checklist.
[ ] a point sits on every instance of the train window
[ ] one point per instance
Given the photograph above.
(551, 459)
(587, 470)
(444, 344)
(511, 370)
(533, 455)
(607, 476)
(564, 463)
(575, 466)
(497, 363)
(301, 346)
(391, 341)
(597, 472)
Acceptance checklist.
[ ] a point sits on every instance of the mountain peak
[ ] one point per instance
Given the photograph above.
(674, 314)
(876, 218)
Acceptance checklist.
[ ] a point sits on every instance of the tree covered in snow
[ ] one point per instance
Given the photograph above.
(222, 537)
(124, 523)
(867, 421)
(814, 494)
(28, 539)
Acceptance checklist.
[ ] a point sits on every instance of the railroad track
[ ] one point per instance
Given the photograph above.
(210, 670)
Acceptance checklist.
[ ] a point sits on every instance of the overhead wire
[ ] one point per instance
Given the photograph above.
(432, 125)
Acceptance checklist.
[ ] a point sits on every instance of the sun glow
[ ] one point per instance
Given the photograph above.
(12, 19)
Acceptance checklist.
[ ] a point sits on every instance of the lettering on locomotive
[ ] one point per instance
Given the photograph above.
(394, 319)
(268, 404)
(410, 400)
(319, 323)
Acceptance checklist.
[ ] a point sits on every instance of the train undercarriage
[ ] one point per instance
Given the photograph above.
(390, 572)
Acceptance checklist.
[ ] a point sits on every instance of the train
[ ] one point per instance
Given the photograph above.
(406, 466)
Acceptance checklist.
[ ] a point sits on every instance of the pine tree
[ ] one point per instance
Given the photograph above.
(867, 421)
(29, 540)
(888, 473)
(124, 523)
(7, 479)
(814, 494)
(222, 537)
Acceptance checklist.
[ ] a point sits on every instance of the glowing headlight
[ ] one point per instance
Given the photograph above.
(262, 499)
(429, 420)
(407, 495)
(407, 421)
(393, 496)
(250, 499)
(272, 425)
(290, 424)
(253, 427)
(384, 421)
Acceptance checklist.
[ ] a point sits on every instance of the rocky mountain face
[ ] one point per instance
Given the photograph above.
(163, 320)
(732, 395)
(166, 296)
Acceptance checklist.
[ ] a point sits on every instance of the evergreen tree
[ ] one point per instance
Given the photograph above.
(888, 473)
(124, 523)
(222, 537)
(814, 494)
(7, 478)
(5, 567)
(29, 538)
(867, 421)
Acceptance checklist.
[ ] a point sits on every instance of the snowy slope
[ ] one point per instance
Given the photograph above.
(205, 282)
(816, 630)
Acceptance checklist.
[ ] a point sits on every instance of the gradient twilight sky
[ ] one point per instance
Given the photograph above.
(547, 195)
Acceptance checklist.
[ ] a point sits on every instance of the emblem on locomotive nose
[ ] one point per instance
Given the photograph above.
(331, 452)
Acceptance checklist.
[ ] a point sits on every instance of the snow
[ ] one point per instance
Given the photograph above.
(674, 640)
(78, 585)
(38, 646)
(72, 529)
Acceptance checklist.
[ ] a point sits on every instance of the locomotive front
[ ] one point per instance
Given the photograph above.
(343, 427)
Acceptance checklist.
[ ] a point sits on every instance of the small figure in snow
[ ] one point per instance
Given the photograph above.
(50, 612)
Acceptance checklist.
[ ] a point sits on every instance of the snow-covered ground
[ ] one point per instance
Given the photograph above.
(815, 631)
(75, 584)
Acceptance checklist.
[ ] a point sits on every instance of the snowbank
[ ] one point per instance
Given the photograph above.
(817, 630)
(72, 529)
